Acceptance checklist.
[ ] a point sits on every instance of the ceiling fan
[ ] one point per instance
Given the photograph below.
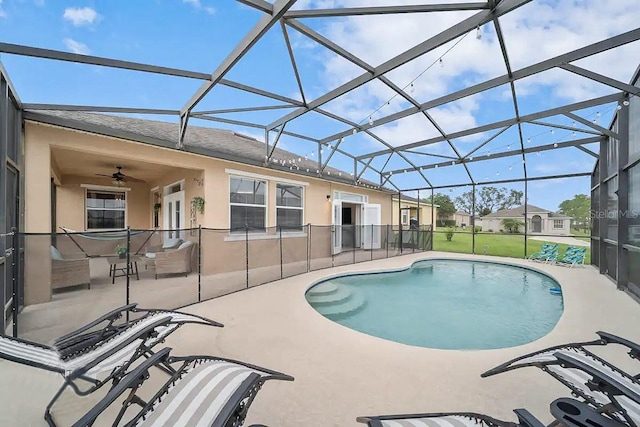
(119, 178)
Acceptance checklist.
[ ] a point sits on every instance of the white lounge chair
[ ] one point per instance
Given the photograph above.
(201, 391)
(88, 359)
(601, 384)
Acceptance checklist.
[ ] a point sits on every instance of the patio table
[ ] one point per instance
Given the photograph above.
(117, 264)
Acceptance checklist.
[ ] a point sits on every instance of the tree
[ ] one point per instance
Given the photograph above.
(512, 225)
(490, 199)
(578, 209)
(446, 207)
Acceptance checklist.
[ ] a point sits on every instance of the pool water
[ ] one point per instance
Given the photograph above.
(445, 304)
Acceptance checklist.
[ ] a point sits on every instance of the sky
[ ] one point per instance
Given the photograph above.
(198, 35)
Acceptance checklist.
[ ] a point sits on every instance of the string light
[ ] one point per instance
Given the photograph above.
(555, 145)
(413, 88)
(478, 33)
(354, 131)
(370, 121)
(441, 63)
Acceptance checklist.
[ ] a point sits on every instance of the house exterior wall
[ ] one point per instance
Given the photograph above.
(494, 224)
(426, 213)
(462, 219)
(70, 211)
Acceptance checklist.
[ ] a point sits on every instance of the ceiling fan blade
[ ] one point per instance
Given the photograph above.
(132, 179)
(101, 174)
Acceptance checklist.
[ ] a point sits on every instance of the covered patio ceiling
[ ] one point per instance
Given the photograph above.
(445, 150)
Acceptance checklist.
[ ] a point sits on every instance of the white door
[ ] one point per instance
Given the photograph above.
(371, 226)
(173, 214)
(336, 227)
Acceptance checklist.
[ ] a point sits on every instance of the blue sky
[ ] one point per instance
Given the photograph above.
(198, 34)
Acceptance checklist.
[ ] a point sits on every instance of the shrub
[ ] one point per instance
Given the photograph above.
(450, 234)
(477, 229)
(490, 230)
(512, 225)
(447, 222)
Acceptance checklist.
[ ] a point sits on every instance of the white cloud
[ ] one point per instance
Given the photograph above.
(76, 47)
(198, 5)
(80, 16)
(533, 33)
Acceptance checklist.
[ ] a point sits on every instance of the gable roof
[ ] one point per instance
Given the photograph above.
(409, 199)
(211, 142)
(518, 212)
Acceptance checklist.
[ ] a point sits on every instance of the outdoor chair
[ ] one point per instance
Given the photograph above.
(600, 384)
(94, 355)
(573, 256)
(566, 411)
(548, 253)
(201, 390)
(67, 271)
(172, 260)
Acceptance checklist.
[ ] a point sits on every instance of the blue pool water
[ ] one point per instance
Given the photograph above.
(445, 304)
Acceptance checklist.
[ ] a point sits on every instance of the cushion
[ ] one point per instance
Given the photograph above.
(185, 244)
(171, 243)
(151, 255)
(55, 253)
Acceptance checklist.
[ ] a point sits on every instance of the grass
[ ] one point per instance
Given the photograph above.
(507, 245)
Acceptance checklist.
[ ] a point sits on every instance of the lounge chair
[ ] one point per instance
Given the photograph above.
(601, 385)
(94, 351)
(548, 253)
(201, 390)
(574, 255)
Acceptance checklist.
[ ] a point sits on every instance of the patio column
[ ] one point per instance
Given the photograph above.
(37, 219)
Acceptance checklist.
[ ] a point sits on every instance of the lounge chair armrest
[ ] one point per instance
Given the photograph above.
(526, 418)
(194, 317)
(610, 338)
(154, 248)
(71, 337)
(132, 380)
(601, 380)
(144, 334)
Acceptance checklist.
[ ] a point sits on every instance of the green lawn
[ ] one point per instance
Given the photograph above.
(508, 245)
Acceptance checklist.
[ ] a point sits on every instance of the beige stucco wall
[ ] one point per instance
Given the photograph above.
(426, 212)
(39, 168)
(495, 225)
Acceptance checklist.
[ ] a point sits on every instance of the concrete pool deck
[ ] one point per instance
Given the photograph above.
(340, 373)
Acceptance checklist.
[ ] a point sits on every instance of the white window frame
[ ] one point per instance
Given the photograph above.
(265, 206)
(350, 197)
(303, 193)
(405, 217)
(105, 189)
(556, 221)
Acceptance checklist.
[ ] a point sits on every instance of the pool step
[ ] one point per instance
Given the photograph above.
(345, 309)
(341, 294)
(326, 288)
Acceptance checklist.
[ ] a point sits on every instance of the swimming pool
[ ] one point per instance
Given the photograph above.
(444, 304)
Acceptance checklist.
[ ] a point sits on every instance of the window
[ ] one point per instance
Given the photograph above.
(558, 223)
(289, 206)
(106, 210)
(247, 199)
(405, 217)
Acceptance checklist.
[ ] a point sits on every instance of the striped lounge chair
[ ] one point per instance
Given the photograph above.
(453, 419)
(200, 391)
(573, 256)
(548, 253)
(103, 355)
(589, 377)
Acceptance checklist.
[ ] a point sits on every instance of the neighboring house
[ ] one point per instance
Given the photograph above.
(539, 221)
(69, 158)
(461, 218)
(412, 208)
